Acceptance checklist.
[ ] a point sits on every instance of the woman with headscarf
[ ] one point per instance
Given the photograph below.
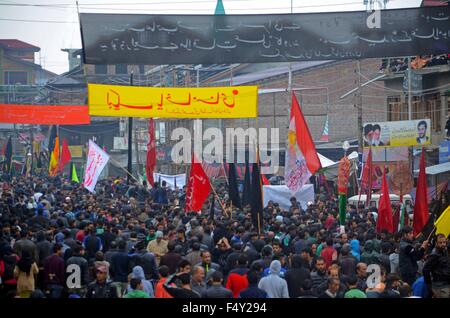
(25, 272)
(355, 249)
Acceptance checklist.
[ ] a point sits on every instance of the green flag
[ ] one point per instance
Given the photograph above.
(74, 177)
(219, 8)
(342, 208)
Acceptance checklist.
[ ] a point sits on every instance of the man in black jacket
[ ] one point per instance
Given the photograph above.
(185, 291)
(347, 262)
(120, 268)
(296, 275)
(333, 289)
(217, 290)
(409, 255)
(436, 270)
(101, 288)
(146, 260)
(78, 260)
(320, 274)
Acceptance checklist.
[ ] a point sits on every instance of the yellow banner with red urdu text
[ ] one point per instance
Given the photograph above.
(170, 102)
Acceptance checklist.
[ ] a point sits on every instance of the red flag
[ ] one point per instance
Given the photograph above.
(198, 187)
(384, 220)
(151, 152)
(366, 178)
(421, 214)
(264, 179)
(4, 148)
(65, 155)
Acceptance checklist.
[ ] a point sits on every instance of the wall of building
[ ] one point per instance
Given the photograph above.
(316, 104)
(435, 84)
(8, 65)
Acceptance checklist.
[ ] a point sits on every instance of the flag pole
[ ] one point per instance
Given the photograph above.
(117, 164)
(218, 199)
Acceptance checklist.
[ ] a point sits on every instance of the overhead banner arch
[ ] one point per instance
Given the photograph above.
(218, 39)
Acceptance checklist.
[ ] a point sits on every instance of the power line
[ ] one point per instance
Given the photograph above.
(37, 21)
(103, 6)
(66, 5)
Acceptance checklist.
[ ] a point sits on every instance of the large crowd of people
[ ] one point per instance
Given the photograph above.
(57, 240)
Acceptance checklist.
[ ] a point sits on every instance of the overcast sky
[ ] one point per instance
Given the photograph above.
(58, 27)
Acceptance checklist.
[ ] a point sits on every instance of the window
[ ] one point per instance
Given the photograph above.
(433, 111)
(397, 110)
(121, 69)
(14, 78)
(101, 69)
(418, 110)
(141, 69)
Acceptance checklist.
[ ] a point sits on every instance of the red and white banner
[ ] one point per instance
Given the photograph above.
(302, 160)
(96, 161)
(44, 114)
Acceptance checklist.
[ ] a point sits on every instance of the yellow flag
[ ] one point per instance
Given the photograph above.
(54, 159)
(443, 223)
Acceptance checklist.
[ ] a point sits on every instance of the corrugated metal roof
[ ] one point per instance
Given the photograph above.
(17, 44)
(436, 169)
(271, 72)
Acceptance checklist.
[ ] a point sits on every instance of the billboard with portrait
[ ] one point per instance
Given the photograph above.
(397, 133)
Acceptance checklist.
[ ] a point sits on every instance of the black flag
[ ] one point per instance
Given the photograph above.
(8, 156)
(246, 194)
(256, 198)
(232, 186)
(211, 209)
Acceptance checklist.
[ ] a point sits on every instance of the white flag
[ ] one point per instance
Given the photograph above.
(96, 161)
(301, 160)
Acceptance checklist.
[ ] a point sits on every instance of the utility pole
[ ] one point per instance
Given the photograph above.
(31, 150)
(409, 90)
(359, 106)
(130, 141)
(136, 146)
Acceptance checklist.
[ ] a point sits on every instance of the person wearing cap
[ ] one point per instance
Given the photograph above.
(158, 246)
(101, 288)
